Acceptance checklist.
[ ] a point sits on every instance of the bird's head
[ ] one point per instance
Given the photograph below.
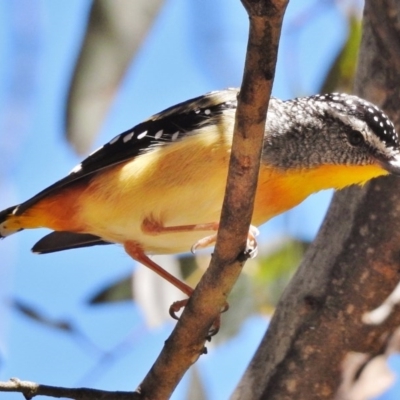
(332, 130)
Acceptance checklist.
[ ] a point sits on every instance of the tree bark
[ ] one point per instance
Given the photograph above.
(353, 264)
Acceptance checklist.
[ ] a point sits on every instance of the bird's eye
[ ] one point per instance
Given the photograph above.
(355, 138)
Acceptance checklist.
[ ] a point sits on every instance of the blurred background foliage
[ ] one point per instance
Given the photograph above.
(201, 47)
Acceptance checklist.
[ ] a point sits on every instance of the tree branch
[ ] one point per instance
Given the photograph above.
(32, 389)
(186, 343)
(352, 266)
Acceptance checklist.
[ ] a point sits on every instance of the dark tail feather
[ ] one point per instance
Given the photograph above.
(58, 241)
(3, 218)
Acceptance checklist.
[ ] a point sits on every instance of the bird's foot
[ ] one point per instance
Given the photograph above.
(204, 242)
(178, 305)
(251, 245)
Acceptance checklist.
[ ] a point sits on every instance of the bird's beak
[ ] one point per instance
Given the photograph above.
(393, 165)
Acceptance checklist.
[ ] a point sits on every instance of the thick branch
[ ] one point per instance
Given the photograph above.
(352, 266)
(186, 343)
(32, 389)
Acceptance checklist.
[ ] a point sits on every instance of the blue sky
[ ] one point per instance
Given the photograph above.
(193, 47)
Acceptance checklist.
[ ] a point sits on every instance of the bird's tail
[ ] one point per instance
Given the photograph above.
(11, 222)
(7, 225)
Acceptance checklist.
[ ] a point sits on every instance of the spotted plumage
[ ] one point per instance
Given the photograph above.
(376, 119)
(341, 117)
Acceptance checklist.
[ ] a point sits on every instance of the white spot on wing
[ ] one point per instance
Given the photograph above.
(76, 169)
(159, 134)
(127, 137)
(175, 136)
(112, 141)
(142, 135)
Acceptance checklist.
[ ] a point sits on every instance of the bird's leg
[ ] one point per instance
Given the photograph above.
(136, 252)
(153, 227)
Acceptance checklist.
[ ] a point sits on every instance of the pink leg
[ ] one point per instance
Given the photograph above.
(153, 227)
(137, 253)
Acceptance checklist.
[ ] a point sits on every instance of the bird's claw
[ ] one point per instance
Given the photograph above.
(204, 242)
(251, 244)
(178, 305)
(217, 323)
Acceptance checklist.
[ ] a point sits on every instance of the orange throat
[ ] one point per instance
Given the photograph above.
(279, 191)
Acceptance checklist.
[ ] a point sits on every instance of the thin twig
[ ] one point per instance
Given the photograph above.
(32, 389)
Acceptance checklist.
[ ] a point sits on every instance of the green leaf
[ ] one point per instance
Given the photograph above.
(187, 265)
(120, 290)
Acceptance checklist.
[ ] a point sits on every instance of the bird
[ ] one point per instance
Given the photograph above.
(158, 187)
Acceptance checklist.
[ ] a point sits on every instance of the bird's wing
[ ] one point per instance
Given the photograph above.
(168, 126)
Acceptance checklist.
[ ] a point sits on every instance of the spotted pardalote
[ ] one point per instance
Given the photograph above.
(158, 187)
